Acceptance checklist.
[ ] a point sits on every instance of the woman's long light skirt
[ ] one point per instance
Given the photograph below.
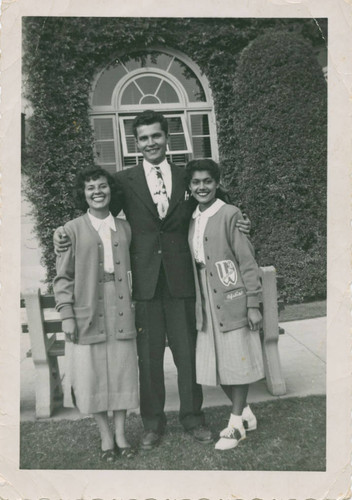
(104, 376)
(228, 358)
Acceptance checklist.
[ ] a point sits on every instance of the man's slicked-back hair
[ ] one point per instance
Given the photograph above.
(149, 117)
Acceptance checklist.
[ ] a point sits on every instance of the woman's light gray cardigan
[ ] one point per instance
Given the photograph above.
(79, 285)
(231, 269)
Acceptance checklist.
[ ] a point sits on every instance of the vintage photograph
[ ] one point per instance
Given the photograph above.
(173, 243)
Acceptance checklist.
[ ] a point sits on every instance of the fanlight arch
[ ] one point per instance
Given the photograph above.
(163, 80)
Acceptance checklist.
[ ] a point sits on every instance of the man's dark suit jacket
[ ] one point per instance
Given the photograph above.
(155, 241)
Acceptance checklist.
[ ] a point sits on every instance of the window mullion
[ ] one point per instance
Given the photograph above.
(170, 64)
(138, 87)
(160, 84)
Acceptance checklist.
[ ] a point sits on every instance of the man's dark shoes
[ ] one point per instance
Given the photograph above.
(201, 433)
(150, 439)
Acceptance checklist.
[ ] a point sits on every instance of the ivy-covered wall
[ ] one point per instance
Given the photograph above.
(61, 58)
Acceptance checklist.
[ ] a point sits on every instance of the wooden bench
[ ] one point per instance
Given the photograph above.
(46, 347)
(271, 330)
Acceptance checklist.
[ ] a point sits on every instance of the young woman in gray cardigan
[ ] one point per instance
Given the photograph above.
(93, 295)
(227, 283)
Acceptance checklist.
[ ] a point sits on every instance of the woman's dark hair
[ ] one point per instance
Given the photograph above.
(92, 174)
(207, 165)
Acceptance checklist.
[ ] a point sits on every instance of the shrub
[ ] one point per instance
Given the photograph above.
(279, 155)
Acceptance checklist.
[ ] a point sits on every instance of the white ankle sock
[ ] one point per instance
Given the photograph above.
(247, 412)
(236, 421)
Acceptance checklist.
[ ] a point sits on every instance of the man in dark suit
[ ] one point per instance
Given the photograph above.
(155, 201)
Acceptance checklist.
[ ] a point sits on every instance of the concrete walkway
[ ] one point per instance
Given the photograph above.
(303, 358)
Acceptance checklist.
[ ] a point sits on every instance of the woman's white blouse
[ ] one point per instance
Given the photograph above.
(103, 227)
(201, 219)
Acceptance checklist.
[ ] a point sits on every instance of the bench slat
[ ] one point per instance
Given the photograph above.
(47, 301)
(57, 348)
(52, 326)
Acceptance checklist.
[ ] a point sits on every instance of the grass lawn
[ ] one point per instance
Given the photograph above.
(290, 436)
(293, 312)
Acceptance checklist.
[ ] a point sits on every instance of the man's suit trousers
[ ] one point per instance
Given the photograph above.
(166, 317)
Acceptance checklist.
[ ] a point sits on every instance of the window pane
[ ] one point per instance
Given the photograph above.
(189, 80)
(106, 84)
(178, 159)
(133, 64)
(105, 152)
(131, 144)
(103, 128)
(162, 61)
(200, 125)
(148, 84)
(167, 93)
(177, 143)
(152, 60)
(128, 127)
(175, 125)
(201, 147)
(131, 95)
(177, 139)
(130, 161)
(150, 99)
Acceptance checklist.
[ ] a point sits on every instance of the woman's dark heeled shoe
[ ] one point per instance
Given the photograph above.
(108, 456)
(127, 452)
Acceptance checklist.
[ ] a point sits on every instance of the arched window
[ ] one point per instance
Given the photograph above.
(164, 81)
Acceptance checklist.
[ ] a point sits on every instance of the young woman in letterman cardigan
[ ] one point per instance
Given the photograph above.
(93, 295)
(227, 300)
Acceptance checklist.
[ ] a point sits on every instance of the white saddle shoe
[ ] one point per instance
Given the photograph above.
(230, 437)
(249, 419)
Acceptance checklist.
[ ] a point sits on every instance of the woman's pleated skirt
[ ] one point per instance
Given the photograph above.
(228, 358)
(104, 376)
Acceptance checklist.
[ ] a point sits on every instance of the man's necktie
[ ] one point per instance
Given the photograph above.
(160, 194)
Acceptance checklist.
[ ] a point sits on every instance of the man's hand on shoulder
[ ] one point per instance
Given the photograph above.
(244, 225)
(61, 241)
